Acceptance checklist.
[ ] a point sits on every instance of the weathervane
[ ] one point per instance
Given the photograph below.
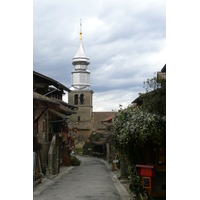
(81, 29)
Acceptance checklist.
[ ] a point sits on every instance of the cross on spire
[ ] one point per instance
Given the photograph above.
(81, 29)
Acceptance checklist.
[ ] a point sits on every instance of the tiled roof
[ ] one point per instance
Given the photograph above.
(66, 110)
(73, 107)
(39, 97)
(109, 119)
(98, 117)
(61, 106)
(63, 116)
(64, 107)
(45, 79)
(95, 123)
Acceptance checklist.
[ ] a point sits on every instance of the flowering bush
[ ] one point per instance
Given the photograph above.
(131, 127)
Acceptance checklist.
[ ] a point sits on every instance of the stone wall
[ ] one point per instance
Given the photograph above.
(84, 110)
(44, 153)
(43, 138)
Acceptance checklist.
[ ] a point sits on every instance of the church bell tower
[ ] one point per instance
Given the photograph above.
(81, 94)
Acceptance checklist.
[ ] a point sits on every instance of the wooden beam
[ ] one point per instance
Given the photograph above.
(41, 114)
(40, 85)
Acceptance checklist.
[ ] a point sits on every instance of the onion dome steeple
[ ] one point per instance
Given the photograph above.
(80, 54)
(80, 74)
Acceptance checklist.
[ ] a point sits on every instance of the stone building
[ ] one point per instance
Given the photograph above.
(81, 95)
(50, 123)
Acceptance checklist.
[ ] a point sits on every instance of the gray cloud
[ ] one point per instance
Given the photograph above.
(125, 41)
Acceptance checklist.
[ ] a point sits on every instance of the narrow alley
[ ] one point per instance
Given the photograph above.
(92, 180)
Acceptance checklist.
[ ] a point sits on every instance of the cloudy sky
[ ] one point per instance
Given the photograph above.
(124, 40)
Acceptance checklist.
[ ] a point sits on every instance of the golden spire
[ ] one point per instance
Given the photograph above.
(80, 29)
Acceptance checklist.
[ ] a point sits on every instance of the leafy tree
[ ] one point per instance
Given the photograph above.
(136, 125)
(131, 127)
(154, 100)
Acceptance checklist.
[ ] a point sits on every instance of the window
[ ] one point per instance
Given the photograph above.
(82, 99)
(76, 99)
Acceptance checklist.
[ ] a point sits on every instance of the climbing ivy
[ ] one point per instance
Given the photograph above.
(131, 127)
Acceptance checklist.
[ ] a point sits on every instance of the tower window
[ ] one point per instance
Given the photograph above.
(82, 99)
(76, 99)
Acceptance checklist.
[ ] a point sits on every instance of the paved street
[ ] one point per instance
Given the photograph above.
(92, 180)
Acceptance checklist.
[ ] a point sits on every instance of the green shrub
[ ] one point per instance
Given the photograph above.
(75, 161)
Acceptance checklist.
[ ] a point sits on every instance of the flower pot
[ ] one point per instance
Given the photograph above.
(143, 196)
